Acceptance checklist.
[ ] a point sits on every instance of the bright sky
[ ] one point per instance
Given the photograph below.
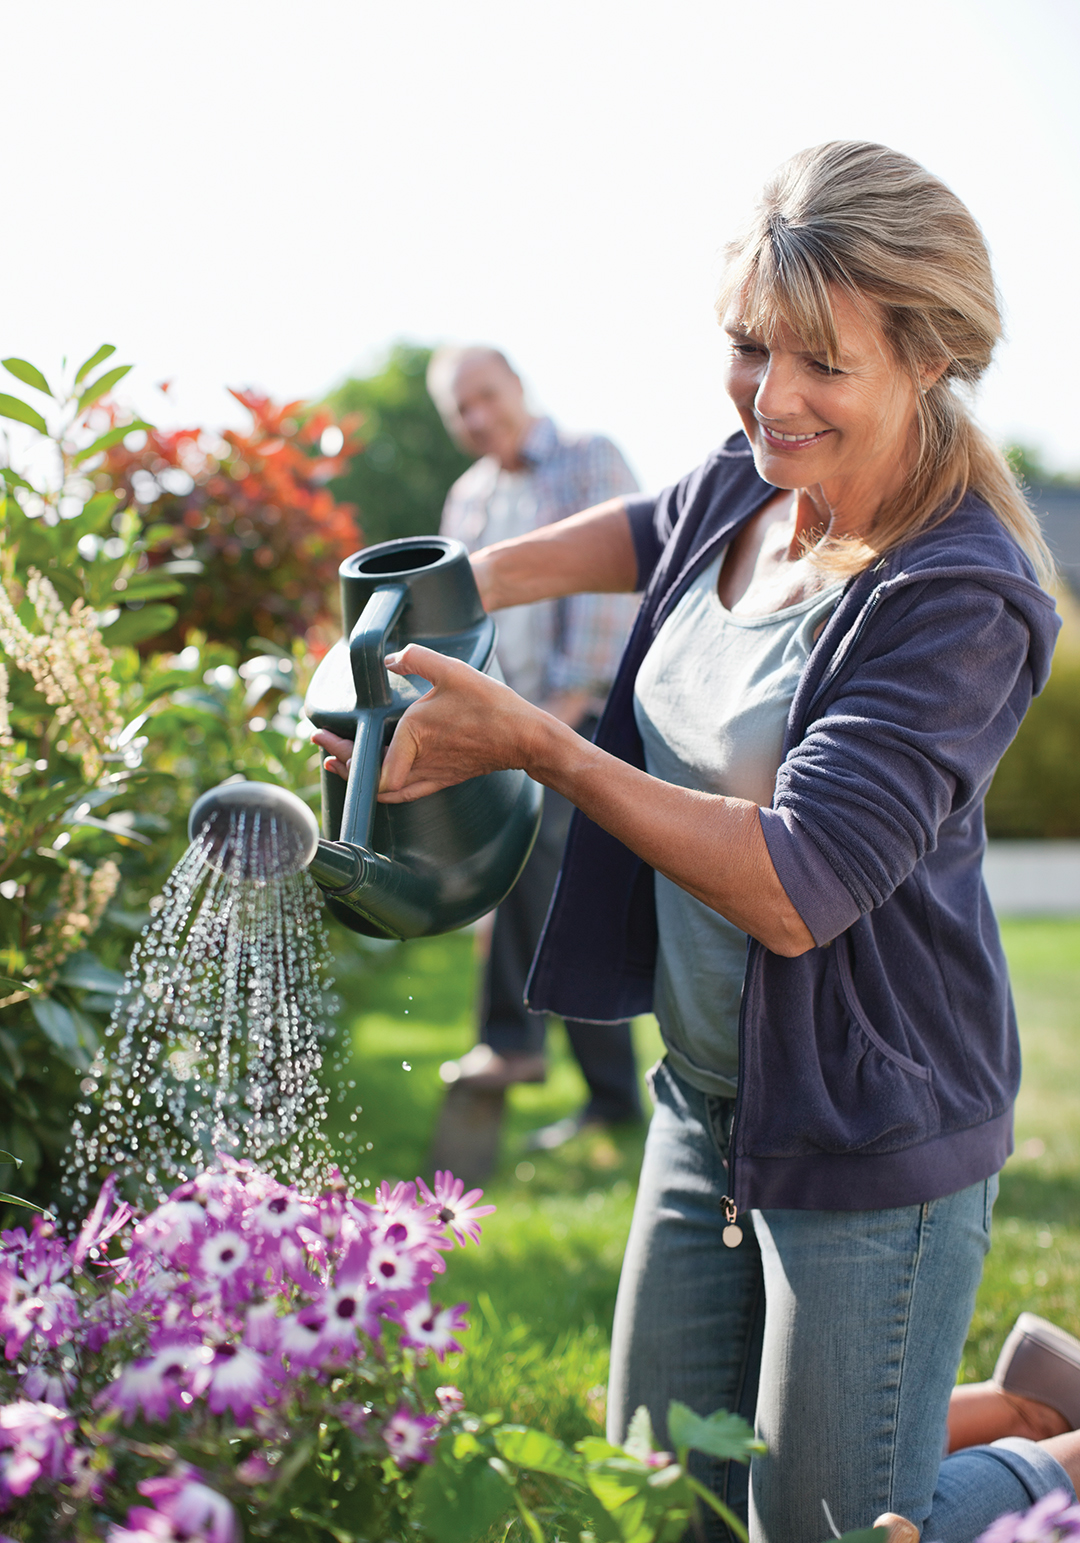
(268, 194)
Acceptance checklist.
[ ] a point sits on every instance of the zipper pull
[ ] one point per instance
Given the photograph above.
(732, 1234)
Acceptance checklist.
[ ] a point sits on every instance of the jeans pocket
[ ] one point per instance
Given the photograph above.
(720, 1114)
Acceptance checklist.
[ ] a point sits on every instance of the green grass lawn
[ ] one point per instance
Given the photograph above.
(543, 1282)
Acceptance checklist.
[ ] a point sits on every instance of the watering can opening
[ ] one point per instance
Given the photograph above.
(402, 560)
(254, 831)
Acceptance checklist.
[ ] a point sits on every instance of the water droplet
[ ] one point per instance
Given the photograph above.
(405, 1066)
(218, 1035)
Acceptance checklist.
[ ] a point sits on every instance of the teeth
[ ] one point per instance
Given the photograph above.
(795, 439)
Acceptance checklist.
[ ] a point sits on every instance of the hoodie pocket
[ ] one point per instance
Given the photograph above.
(855, 1008)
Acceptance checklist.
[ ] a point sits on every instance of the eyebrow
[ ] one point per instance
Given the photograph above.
(740, 334)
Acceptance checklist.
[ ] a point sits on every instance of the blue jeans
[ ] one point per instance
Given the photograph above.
(838, 1334)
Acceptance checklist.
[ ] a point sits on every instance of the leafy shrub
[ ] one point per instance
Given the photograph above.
(246, 520)
(102, 751)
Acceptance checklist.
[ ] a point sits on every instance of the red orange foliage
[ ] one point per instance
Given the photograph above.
(253, 510)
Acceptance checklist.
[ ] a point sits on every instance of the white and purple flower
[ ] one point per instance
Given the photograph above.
(37, 1437)
(238, 1379)
(195, 1510)
(410, 1437)
(1053, 1519)
(432, 1327)
(169, 1379)
(456, 1209)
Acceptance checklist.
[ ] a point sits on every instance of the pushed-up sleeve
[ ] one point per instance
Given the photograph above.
(654, 517)
(916, 722)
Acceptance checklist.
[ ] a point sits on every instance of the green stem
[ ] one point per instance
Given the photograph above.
(528, 1518)
(718, 1506)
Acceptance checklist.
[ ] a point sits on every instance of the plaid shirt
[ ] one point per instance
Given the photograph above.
(581, 636)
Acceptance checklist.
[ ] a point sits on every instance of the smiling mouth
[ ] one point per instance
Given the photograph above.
(774, 436)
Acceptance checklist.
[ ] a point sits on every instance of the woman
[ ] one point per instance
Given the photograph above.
(781, 851)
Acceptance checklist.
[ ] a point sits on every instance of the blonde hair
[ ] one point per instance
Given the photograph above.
(863, 220)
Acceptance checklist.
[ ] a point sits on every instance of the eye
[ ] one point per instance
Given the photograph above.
(746, 350)
(824, 368)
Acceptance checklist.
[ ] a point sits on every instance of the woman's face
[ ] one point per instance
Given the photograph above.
(848, 429)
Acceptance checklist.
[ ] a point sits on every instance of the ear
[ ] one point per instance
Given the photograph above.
(930, 374)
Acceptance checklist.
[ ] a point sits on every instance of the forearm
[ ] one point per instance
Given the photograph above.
(712, 847)
(588, 553)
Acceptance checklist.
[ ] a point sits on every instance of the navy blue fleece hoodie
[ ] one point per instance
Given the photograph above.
(878, 1069)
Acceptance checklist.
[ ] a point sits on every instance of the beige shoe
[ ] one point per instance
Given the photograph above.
(897, 1528)
(486, 1071)
(1041, 1361)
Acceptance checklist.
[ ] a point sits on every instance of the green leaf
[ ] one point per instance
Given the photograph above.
(57, 1024)
(21, 412)
(9, 1157)
(87, 973)
(29, 374)
(110, 437)
(151, 585)
(94, 360)
(640, 1442)
(539, 1452)
(13, 479)
(134, 626)
(459, 1505)
(7, 984)
(297, 1459)
(721, 1435)
(18, 1200)
(103, 384)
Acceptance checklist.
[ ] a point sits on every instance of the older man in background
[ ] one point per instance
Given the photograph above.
(561, 655)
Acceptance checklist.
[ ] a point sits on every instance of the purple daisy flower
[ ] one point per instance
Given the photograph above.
(194, 1509)
(410, 1437)
(432, 1327)
(456, 1209)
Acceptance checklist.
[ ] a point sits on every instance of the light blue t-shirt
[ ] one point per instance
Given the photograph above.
(711, 703)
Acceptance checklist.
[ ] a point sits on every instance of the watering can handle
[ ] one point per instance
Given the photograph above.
(367, 645)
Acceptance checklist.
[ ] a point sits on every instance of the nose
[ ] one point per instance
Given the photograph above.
(778, 395)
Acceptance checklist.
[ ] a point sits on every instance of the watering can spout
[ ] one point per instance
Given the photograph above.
(261, 832)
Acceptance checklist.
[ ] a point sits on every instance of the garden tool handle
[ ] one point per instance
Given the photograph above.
(367, 646)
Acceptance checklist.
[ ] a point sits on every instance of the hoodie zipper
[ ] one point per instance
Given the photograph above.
(732, 1234)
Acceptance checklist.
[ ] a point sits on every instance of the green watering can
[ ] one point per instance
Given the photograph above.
(386, 870)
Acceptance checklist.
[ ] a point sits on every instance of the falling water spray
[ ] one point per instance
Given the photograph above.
(217, 1037)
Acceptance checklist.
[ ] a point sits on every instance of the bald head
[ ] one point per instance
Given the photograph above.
(482, 402)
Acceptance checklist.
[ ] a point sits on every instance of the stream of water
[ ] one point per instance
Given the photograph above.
(217, 1037)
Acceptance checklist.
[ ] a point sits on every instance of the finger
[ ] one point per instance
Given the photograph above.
(399, 758)
(414, 791)
(430, 665)
(333, 744)
(338, 767)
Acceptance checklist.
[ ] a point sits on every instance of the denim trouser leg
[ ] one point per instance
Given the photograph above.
(856, 1321)
(690, 1312)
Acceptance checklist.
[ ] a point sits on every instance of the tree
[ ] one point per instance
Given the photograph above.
(399, 480)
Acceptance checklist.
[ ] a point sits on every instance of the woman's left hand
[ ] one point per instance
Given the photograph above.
(466, 725)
